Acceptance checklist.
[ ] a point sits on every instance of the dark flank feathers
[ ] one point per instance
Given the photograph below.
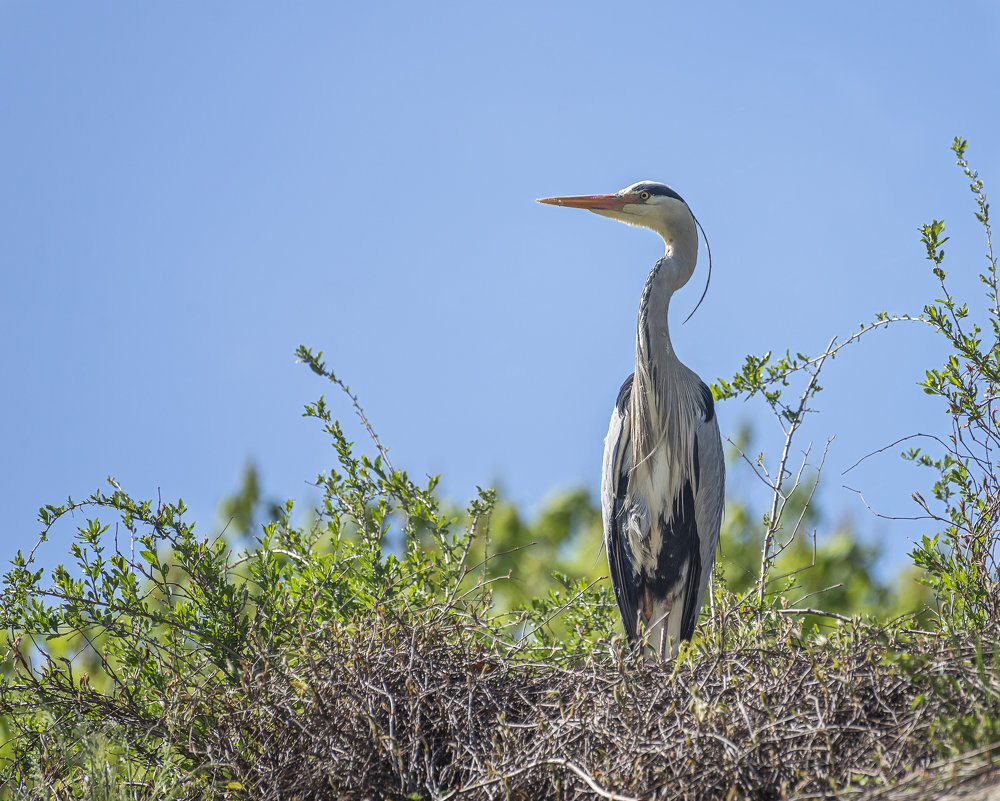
(707, 403)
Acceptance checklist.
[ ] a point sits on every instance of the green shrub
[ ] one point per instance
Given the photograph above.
(164, 659)
(960, 558)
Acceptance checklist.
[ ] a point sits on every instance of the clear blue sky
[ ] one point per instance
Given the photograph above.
(189, 191)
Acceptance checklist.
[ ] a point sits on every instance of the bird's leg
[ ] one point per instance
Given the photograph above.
(666, 606)
(644, 615)
(647, 604)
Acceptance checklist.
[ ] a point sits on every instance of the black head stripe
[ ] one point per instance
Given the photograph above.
(657, 189)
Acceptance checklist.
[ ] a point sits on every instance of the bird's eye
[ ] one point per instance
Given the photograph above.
(644, 195)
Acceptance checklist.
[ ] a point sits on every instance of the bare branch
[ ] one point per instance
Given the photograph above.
(811, 611)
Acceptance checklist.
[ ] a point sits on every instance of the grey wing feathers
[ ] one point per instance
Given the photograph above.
(614, 483)
(709, 494)
(689, 539)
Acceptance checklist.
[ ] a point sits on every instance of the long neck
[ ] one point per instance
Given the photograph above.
(652, 340)
(661, 382)
(668, 275)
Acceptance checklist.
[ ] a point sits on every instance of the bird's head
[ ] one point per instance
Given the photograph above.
(647, 204)
(655, 206)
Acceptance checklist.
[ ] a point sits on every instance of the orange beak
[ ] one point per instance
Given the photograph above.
(591, 202)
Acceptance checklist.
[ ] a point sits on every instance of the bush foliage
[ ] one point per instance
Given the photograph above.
(385, 646)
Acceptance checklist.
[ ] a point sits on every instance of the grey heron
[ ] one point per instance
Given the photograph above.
(663, 476)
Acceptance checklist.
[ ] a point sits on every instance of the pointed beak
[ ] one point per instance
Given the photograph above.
(591, 202)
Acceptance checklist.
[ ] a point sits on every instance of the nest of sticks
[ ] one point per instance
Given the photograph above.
(408, 713)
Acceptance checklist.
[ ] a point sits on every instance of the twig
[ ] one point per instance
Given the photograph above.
(879, 514)
(811, 611)
(565, 763)
(893, 445)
